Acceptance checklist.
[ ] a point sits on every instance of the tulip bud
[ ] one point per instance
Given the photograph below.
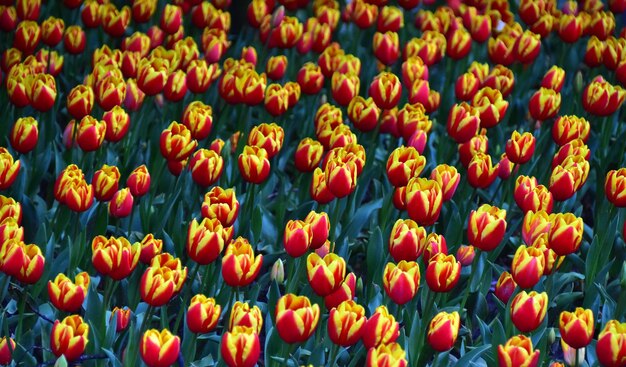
(121, 203)
(202, 314)
(297, 238)
(528, 310)
(150, 247)
(520, 147)
(465, 255)
(528, 266)
(463, 122)
(254, 164)
(505, 287)
(123, 318)
(442, 273)
(278, 272)
(407, 240)
(6, 350)
(240, 266)
(24, 134)
(424, 199)
(159, 348)
(443, 330)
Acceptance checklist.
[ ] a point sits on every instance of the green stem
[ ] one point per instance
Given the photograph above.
(294, 278)
(146, 317)
(333, 355)
(164, 318)
(23, 295)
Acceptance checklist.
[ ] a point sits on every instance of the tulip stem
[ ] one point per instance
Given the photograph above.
(146, 316)
(333, 355)
(577, 363)
(430, 300)
(164, 318)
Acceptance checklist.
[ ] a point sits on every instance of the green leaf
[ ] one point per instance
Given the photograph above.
(375, 255)
(360, 217)
(470, 356)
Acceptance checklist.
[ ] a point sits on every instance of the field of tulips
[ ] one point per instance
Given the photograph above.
(312, 183)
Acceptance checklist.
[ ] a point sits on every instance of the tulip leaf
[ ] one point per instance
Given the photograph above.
(470, 356)
(115, 362)
(375, 256)
(360, 217)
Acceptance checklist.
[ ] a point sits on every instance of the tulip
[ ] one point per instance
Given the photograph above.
(500, 78)
(114, 257)
(139, 181)
(117, 124)
(443, 330)
(401, 281)
(463, 122)
(386, 355)
(162, 280)
(150, 247)
(577, 327)
(407, 240)
(296, 318)
(80, 101)
(569, 128)
(254, 164)
(159, 348)
(442, 273)
(66, 295)
(544, 104)
(528, 310)
(520, 147)
(380, 329)
(565, 234)
(6, 350)
(518, 351)
(486, 227)
(346, 323)
(528, 266)
(222, 205)
(480, 172)
(448, 178)
(202, 314)
(386, 47)
(176, 142)
(340, 176)
(325, 274)
(267, 136)
(424, 199)
(615, 187)
(121, 203)
(123, 318)
(9, 208)
(69, 337)
(24, 134)
(205, 240)
(243, 315)
(600, 98)
(363, 113)
(240, 347)
(490, 105)
(611, 346)
(310, 78)
(505, 287)
(240, 266)
(403, 164)
(206, 167)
